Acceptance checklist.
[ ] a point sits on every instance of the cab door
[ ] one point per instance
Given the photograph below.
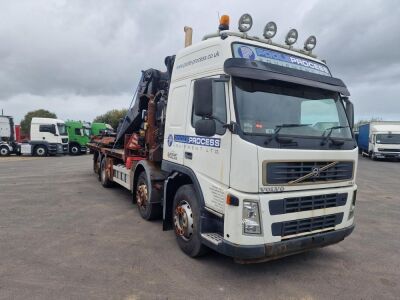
(47, 132)
(209, 157)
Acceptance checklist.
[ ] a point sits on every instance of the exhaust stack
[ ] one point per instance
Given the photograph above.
(188, 35)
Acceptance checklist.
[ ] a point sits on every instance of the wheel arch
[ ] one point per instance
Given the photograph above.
(178, 176)
(155, 178)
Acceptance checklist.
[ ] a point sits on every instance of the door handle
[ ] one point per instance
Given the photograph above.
(188, 155)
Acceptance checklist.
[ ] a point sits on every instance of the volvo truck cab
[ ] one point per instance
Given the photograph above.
(266, 133)
(244, 145)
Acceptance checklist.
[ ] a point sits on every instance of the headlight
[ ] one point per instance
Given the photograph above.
(251, 217)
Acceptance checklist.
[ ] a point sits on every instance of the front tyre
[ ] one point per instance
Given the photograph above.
(40, 151)
(74, 149)
(186, 219)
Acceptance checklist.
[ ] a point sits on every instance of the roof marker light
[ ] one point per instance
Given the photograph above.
(245, 23)
(270, 30)
(310, 43)
(291, 37)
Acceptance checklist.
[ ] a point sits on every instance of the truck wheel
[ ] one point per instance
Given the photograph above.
(96, 166)
(372, 156)
(75, 149)
(186, 219)
(105, 181)
(147, 210)
(4, 151)
(40, 151)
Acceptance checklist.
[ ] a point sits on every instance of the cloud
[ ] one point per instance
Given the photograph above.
(81, 58)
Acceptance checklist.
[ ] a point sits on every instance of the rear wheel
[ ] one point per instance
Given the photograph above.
(96, 165)
(186, 219)
(4, 151)
(40, 151)
(104, 178)
(74, 149)
(147, 210)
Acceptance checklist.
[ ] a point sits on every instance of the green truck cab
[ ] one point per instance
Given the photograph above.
(98, 128)
(79, 135)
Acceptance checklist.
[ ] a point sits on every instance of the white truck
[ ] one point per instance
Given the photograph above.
(48, 136)
(243, 146)
(380, 139)
(8, 144)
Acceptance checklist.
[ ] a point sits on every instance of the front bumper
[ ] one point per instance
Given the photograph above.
(387, 154)
(265, 252)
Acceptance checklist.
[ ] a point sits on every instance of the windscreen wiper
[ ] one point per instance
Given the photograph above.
(328, 136)
(279, 127)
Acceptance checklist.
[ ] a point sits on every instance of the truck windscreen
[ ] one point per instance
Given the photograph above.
(62, 129)
(388, 138)
(263, 108)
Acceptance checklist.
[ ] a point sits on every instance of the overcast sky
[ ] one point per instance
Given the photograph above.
(82, 58)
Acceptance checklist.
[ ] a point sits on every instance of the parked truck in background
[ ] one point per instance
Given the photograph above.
(243, 146)
(48, 136)
(78, 135)
(8, 144)
(380, 139)
(98, 128)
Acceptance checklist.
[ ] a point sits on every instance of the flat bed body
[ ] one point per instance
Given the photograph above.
(108, 150)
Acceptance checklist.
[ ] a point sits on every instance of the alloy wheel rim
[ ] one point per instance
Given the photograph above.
(183, 220)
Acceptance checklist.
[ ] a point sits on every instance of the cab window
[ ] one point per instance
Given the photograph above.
(45, 128)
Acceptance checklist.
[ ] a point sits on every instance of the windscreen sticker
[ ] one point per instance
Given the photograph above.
(279, 58)
(194, 140)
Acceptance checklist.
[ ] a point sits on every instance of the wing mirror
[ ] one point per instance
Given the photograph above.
(203, 107)
(349, 111)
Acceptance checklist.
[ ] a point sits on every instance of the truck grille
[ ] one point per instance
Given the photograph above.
(307, 172)
(388, 150)
(298, 204)
(306, 225)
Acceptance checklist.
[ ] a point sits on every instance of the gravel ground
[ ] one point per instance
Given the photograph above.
(63, 236)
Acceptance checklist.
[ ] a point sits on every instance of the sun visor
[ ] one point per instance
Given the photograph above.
(258, 70)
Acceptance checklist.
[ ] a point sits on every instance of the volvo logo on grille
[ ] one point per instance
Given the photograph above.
(315, 172)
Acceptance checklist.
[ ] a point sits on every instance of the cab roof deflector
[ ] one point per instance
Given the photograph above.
(241, 67)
